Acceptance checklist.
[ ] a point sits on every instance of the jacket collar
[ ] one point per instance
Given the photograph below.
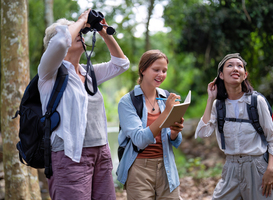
(245, 98)
(138, 91)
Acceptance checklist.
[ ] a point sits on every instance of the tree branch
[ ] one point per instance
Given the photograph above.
(245, 11)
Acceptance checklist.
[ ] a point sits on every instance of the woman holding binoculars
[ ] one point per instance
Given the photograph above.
(81, 159)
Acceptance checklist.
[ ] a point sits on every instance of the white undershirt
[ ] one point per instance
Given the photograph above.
(235, 106)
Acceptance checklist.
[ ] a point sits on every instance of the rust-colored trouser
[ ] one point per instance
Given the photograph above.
(89, 179)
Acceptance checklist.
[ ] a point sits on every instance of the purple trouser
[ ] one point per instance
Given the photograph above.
(89, 179)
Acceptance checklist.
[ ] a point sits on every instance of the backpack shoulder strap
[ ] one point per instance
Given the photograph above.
(56, 95)
(221, 114)
(137, 102)
(268, 104)
(254, 116)
(167, 93)
(58, 89)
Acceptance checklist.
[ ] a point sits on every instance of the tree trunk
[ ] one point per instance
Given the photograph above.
(21, 182)
(147, 33)
(49, 19)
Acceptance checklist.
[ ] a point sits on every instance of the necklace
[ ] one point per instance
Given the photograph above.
(150, 102)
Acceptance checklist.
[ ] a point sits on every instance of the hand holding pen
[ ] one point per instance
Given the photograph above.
(165, 99)
(170, 101)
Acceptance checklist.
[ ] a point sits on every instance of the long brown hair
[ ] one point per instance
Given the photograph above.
(147, 59)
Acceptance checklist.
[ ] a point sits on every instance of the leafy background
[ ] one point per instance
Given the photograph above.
(201, 33)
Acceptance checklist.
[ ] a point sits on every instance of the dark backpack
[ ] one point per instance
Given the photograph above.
(138, 104)
(35, 129)
(252, 114)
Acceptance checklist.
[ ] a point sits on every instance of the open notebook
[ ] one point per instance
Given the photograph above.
(176, 112)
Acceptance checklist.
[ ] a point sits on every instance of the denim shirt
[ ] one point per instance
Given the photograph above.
(135, 128)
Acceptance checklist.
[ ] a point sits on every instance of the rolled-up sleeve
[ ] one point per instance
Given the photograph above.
(177, 140)
(205, 130)
(266, 123)
(107, 70)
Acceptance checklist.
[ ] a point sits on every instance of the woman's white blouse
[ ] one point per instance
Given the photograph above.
(74, 103)
(240, 137)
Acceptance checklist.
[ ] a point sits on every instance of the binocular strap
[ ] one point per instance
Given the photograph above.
(89, 67)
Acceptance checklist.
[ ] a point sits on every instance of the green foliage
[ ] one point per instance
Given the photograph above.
(65, 9)
(201, 34)
(112, 91)
(36, 25)
(197, 107)
(194, 167)
(210, 31)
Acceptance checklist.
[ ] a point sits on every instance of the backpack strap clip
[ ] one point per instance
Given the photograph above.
(16, 114)
(230, 119)
(47, 114)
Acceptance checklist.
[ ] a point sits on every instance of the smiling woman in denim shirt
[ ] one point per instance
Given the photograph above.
(151, 174)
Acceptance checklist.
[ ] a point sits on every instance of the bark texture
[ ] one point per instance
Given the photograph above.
(49, 19)
(147, 33)
(21, 182)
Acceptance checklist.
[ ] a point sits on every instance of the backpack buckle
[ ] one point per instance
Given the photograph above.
(16, 114)
(260, 130)
(232, 119)
(47, 114)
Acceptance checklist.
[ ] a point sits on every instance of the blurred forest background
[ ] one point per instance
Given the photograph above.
(194, 34)
(197, 34)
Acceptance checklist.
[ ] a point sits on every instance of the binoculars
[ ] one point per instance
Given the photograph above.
(94, 19)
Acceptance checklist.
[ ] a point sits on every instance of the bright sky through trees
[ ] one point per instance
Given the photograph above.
(156, 23)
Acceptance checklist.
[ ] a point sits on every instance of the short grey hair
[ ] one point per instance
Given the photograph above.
(51, 30)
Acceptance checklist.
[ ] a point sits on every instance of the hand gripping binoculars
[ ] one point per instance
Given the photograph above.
(94, 19)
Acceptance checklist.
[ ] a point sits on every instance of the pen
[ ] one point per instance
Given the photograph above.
(164, 99)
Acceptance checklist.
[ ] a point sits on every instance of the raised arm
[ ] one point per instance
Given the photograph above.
(81, 23)
(111, 43)
(212, 93)
(59, 44)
